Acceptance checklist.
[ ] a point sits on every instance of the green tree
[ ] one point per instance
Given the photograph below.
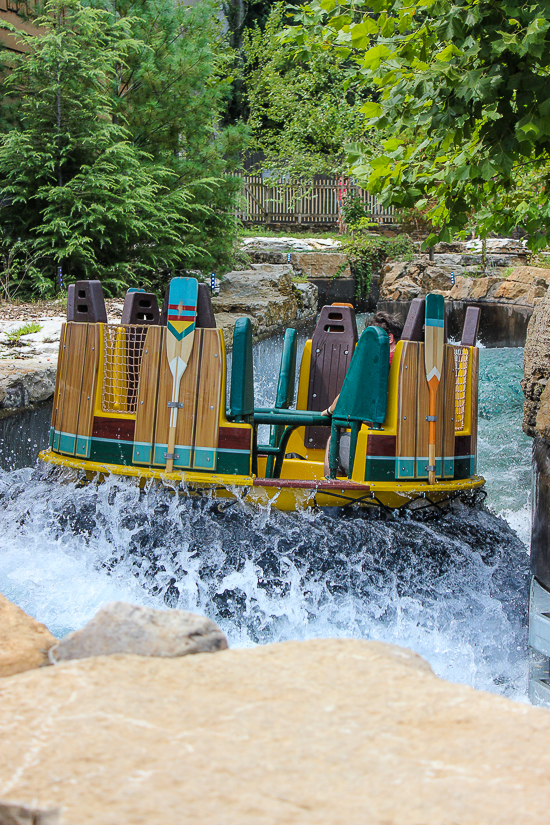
(171, 93)
(76, 191)
(463, 91)
(301, 112)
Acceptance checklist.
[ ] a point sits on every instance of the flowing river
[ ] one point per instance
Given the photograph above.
(455, 590)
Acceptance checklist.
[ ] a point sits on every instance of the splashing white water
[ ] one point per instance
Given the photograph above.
(454, 590)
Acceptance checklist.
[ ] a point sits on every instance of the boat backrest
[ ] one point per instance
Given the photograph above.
(85, 303)
(140, 308)
(471, 327)
(364, 393)
(332, 347)
(241, 398)
(414, 325)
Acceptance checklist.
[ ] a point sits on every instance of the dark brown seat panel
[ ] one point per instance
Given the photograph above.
(85, 303)
(140, 308)
(332, 346)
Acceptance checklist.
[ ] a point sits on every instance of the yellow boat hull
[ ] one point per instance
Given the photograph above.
(287, 495)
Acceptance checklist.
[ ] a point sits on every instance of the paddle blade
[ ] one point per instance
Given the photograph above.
(434, 336)
(182, 316)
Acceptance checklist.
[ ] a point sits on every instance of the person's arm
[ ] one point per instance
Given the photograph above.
(330, 409)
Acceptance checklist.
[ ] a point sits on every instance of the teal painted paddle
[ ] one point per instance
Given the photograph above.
(434, 336)
(180, 332)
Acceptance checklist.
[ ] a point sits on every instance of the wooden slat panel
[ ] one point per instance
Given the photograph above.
(422, 410)
(88, 391)
(208, 401)
(406, 410)
(474, 359)
(187, 396)
(60, 367)
(75, 352)
(449, 407)
(148, 391)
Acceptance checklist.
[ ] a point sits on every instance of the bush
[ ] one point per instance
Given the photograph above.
(367, 254)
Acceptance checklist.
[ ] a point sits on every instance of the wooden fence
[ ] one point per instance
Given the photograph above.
(319, 202)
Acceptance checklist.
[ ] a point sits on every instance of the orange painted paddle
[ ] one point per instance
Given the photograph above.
(433, 360)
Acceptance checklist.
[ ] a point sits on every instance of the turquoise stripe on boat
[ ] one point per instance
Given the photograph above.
(204, 458)
(83, 446)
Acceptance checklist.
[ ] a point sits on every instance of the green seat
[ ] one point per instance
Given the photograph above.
(241, 398)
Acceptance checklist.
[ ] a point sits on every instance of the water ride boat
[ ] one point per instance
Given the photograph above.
(146, 399)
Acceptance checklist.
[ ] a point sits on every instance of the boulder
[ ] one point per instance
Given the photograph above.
(325, 731)
(321, 264)
(126, 628)
(264, 292)
(524, 282)
(24, 642)
(536, 372)
(481, 287)
(14, 814)
(25, 382)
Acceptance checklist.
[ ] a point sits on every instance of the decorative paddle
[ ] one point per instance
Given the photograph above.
(434, 336)
(180, 332)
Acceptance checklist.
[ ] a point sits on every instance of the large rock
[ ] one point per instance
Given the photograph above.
(536, 372)
(120, 627)
(321, 264)
(14, 814)
(322, 732)
(265, 293)
(25, 382)
(24, 642)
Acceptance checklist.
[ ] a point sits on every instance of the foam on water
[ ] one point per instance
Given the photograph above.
(454, 590)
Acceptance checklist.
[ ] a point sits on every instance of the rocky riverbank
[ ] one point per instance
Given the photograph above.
(323, 731)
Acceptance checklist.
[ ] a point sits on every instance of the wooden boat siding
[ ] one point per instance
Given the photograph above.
(205, 440)
(449, 410)
(56, 394)
(412, 408)
(407, 412)
(147, 400)
(87, 392)
(186, 415)
(474, 359)
(71, 386)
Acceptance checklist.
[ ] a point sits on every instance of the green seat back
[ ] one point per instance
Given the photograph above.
(364, 393)
(287, 371)
(241, 399)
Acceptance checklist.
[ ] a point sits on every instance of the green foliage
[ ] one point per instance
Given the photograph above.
(463, 91)
(171, 94)
(353, 209)
(367, 254)
(77, 192)
(301, 113)
(26, 329)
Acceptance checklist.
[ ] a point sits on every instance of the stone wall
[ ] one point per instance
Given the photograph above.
(536, 423)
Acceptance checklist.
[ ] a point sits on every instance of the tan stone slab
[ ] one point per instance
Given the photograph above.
(24, 642)
(321, 264)
(324, 732)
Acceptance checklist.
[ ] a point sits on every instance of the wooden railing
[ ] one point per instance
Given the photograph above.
(319, 202)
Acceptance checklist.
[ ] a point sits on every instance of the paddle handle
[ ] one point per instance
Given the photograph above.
(431, 432)
(178, 369)
(170, 449)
